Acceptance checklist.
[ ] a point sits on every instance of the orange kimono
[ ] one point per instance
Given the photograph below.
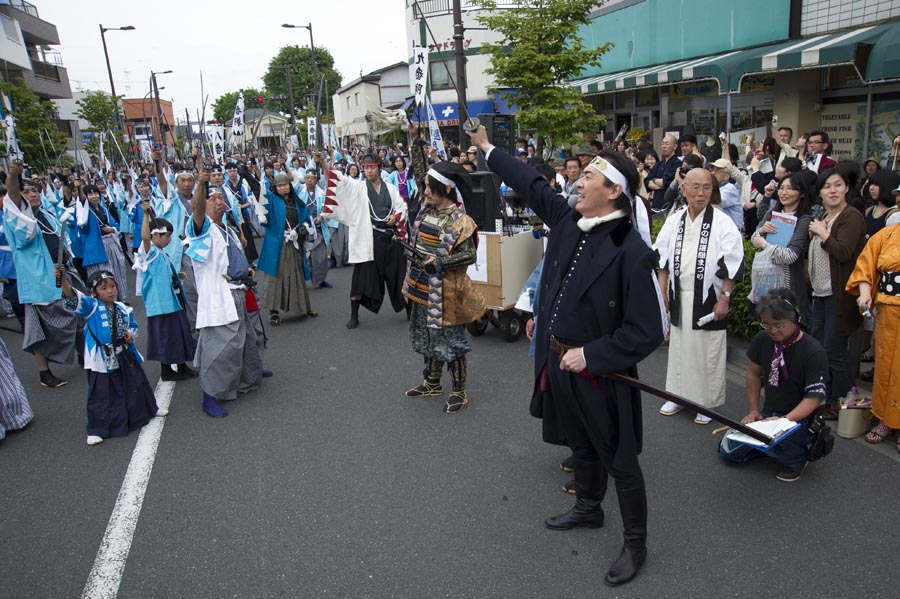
(879, 266)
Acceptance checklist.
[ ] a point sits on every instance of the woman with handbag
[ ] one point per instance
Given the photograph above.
(795, 196)
(283, 253)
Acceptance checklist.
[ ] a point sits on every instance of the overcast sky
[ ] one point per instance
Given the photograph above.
(230, 41)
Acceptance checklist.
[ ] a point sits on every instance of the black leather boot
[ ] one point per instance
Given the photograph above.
(590, 489)
(633, 505)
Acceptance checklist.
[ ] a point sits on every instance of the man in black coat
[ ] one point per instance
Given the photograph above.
(599, 313)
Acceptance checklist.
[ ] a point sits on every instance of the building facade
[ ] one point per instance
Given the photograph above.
(27, 53)
(816, 64)
(387, 87)
(142, 121)
(429, 23)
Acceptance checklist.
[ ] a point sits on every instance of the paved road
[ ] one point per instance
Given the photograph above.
(329, 483)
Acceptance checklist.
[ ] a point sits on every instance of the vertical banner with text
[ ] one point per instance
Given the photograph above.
(311, 131)
(418, 73)
(437, 140)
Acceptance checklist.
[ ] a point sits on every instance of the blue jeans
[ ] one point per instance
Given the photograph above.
(823, 326)
(791, 452)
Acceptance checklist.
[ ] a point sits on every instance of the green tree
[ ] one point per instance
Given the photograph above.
(300, 62)
(223, 107)
(101, 111)
(35, 126)
(539, 51)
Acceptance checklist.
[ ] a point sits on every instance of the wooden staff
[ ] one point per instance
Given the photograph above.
(683, 401)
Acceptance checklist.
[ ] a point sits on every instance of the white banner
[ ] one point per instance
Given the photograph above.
(103, 161)
(295, 143)
(215, 134)
(332, 136)
(437, 140)
(237, 123)
(145, 150)
(311, 132)
(418, 73)
(12, 143)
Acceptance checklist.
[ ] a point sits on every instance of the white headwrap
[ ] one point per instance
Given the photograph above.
(601, 165)
(436, 175)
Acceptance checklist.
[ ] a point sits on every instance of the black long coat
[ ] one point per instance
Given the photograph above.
(613, 313)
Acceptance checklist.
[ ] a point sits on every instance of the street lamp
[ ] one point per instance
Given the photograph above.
(112, 85)
(159, 112)
(312, 48)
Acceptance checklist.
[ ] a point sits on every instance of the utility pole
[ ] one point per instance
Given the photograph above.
(290, 92)
(459, 51)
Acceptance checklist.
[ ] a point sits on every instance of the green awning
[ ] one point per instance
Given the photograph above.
(842, 48)
(874, 50)
(695, 69)
(884, 61)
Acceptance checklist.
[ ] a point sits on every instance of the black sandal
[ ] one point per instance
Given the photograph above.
(274, 320)
(456, 402)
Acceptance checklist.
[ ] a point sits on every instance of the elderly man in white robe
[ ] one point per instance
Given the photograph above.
(229, 351)
(702, 250)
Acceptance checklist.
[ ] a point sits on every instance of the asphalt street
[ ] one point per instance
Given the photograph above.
(328, 482)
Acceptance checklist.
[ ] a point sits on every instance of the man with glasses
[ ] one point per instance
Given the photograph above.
(791, 366)
(817, 159)
(701, 257)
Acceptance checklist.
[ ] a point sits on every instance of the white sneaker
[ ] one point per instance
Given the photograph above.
(670, 408)
(161, 412)
(94, 440)
(701, 419)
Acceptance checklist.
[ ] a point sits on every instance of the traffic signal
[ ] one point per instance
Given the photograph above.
(259, 100)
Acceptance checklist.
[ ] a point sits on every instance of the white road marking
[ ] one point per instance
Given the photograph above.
(106, 574)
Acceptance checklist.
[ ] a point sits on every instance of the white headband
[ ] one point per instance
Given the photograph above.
(606, 168)
(161, 231)
(436, 175)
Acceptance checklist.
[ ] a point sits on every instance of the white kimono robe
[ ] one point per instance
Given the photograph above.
(347, 201)
(709, 250)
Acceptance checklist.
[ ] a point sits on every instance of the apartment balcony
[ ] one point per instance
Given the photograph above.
(35, 30)
(49, 81)
(431, 8)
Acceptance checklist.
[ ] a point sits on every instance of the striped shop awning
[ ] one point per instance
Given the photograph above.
(842, 48)
(729, 69)
(695, 69)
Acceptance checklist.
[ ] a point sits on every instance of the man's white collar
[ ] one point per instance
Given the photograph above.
(586, 224)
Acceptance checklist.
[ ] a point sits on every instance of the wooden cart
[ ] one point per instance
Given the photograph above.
(504, 264)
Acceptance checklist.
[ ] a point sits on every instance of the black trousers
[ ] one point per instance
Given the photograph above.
(387, 270)
(600, 424)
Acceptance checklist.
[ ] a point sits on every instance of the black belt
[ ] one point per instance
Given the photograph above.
(560, 348)
(890, 283)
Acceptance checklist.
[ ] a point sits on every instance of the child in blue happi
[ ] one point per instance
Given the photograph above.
(169, 339)
(120, 398)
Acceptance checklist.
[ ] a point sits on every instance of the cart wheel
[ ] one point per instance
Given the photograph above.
(477, 328)
(511, 324)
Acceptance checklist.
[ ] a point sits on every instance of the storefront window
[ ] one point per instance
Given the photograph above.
(842, 77)
(704, 121)
(648, 96)
(762, 117)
